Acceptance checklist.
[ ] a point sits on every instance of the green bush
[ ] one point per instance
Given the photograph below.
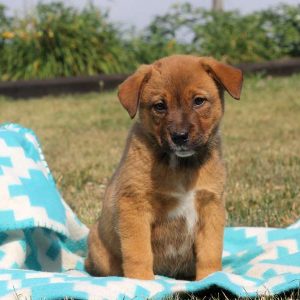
(229, 36)
(283, 28)
(56, 40)
(60, 41)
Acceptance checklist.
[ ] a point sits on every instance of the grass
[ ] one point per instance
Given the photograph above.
(294, 295)
(83, 137)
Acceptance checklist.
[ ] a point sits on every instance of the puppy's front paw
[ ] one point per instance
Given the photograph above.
(135, 274)
(204, 273)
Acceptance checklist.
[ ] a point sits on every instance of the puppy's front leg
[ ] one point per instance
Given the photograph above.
(209, 237)
(135, 236)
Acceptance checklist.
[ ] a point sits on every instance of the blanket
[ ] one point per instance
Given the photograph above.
(43, 243)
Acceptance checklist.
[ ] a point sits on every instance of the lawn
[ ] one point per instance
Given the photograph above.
(83, 137)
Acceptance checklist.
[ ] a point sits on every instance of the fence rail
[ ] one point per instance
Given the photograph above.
(274, 68)
(84, 84)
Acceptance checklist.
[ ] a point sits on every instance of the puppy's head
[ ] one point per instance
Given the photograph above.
(180, 100)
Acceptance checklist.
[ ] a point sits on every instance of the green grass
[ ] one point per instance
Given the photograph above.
(83, 137)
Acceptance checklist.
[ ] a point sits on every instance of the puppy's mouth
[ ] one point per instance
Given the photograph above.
(183, 150)
(184, 153)
(180, 151)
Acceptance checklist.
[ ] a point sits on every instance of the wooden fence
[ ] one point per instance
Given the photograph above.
(98, 83)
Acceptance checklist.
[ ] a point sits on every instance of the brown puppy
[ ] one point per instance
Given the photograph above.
(163, 211)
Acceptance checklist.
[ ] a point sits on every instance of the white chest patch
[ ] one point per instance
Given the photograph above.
(185, 209)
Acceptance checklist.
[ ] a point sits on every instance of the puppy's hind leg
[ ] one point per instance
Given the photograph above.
(100, 262)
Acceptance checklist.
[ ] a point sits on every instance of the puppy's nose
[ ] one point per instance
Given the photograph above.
(180, 138)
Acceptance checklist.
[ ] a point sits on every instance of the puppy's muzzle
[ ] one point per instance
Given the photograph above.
(180, 140)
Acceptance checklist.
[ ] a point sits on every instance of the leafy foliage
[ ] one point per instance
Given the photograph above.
(56, 40)
(283, 26)
(60, 41)
(229, 36)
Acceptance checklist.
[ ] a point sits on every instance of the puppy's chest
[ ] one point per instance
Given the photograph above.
(174, 233)
(184, 209)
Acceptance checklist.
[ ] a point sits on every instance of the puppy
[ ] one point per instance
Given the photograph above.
(163, 211)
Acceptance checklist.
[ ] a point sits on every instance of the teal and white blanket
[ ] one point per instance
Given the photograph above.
(43, 244)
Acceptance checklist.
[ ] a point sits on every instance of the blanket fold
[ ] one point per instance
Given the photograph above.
(43, 243)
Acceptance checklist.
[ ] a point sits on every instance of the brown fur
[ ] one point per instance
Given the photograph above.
(163, 211)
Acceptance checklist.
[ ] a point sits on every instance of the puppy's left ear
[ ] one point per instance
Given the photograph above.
(230, 78)
(130, 90)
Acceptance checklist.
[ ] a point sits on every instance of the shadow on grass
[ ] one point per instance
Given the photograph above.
(215, 293)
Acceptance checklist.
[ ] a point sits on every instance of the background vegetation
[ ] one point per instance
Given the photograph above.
(56, 40)
(261, 148)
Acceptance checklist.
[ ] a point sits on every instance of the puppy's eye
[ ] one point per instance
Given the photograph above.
(160, 107)
(199, 101)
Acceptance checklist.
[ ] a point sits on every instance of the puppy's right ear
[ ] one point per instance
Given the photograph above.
(130, 90)
(230, 78)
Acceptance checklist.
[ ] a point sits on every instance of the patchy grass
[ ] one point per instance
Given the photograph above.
(83, 138)
(262, 152)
